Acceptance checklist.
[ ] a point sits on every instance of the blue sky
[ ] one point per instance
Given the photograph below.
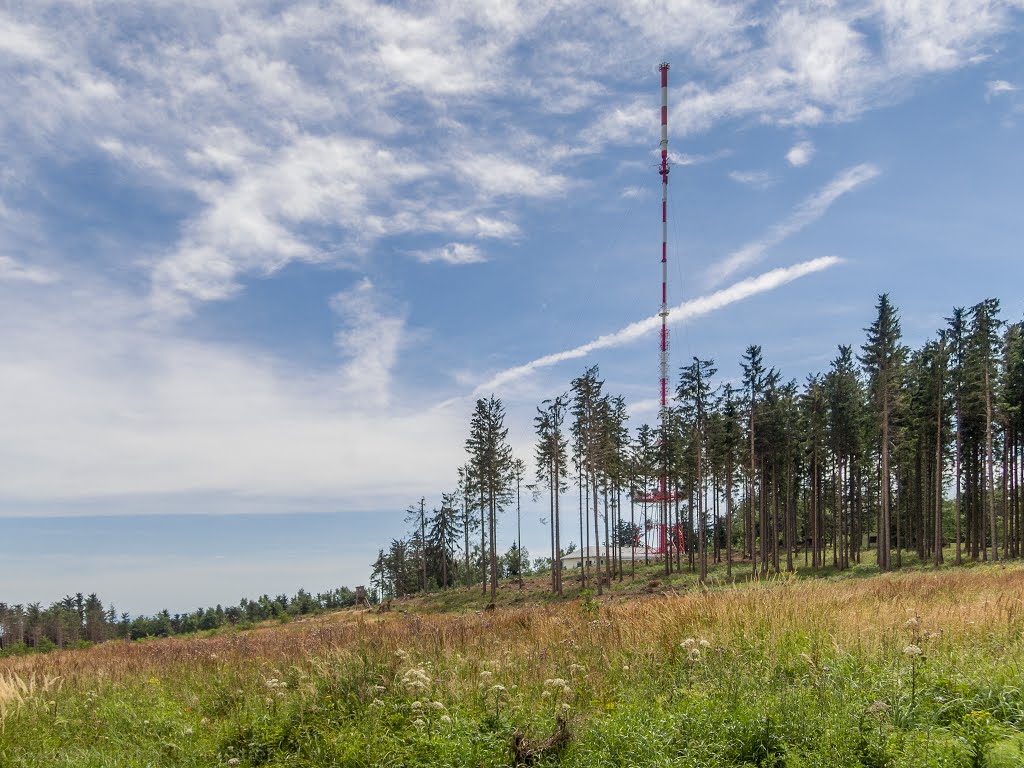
(257, 259)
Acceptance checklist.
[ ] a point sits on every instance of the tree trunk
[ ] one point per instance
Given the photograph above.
(937, 525)
(494, 550)
(990, 471)
(728, 518)
(959, 537)
(556, 566)
(884, 523)
(597, 535)
(554, 551)
(483, 539)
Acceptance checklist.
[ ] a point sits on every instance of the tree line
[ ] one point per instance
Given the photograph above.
(903, 452)
(79, 619)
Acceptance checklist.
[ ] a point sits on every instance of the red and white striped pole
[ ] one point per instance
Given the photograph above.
(663, 170)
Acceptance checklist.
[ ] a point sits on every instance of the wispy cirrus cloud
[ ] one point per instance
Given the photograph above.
(996, 87)
(370, 341)
(228, 104)
(688, 310)
(809, 211)
(999, 88)
(804, 64)
(753, 179)
(453, 253)
(14, 271)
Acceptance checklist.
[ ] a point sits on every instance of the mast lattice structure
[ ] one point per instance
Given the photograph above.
(665, 537)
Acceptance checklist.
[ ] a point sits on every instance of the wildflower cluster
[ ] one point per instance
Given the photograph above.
(693, 648)
(556, 688)
(556, 685)
(416, 681)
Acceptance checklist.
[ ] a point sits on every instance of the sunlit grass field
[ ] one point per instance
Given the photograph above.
(910, 669)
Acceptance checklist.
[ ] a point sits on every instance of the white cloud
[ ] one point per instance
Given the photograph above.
(453, 253)
(109, 408)
(809, 211)
(15, 272)
(370, 340)
(807, 63)
(248, 224)
(800, 154)
(995, 87)
(22, 41)
(502, 176)
(291, 128)
(681, 313)
(754, 179)
(685, 158)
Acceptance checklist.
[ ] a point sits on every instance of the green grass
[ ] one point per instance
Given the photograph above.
(782, 672)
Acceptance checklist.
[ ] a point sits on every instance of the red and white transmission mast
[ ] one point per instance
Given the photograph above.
(667, 535)
(663, 170)
(665, 497)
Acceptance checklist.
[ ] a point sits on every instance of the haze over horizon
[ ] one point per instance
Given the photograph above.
(257, 261)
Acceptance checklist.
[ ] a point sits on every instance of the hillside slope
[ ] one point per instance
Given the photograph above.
(910, 669)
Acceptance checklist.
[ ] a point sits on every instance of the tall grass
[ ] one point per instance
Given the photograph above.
(778, 672)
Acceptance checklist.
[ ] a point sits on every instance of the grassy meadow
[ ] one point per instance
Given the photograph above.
(917, 669)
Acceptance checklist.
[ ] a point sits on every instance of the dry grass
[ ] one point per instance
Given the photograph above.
(17, 691)
(538, 641)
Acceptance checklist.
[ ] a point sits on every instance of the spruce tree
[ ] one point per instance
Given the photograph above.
(883, 357)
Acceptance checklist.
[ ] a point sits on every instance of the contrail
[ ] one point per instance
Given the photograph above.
(688, 310)
(809, 211)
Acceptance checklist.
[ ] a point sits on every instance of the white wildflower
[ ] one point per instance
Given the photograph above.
(437, 705)
(912, 650)
(546, 695)
(688, 643)
(416, 679)
(419, 722)
(417, 705)
(446, 720)
(694, 654)
(704, 643)
(913, 621)
(486, 675)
